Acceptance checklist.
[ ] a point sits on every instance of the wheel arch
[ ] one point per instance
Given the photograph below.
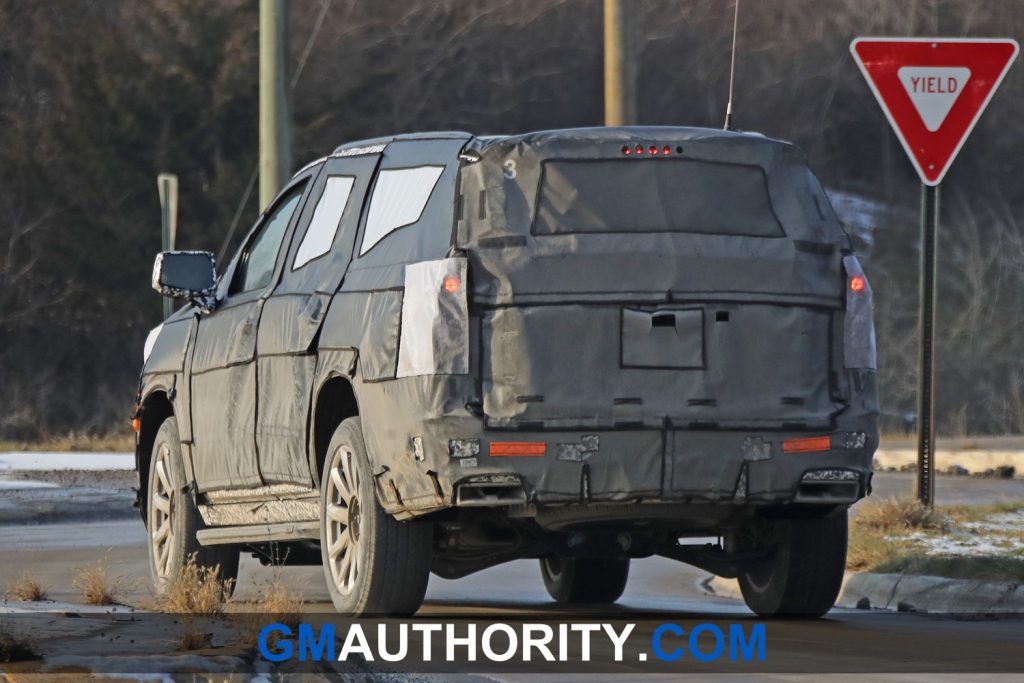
(336, 401)
(154, 409)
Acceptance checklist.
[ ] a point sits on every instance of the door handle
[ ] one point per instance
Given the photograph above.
(663, 320)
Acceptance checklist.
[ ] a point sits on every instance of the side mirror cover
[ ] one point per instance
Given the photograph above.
(186, 275)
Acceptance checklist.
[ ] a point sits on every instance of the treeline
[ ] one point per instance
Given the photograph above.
(98, 97)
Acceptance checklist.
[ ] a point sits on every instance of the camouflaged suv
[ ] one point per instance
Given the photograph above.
(440, 352)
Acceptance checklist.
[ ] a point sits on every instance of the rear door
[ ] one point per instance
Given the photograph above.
(315, 265)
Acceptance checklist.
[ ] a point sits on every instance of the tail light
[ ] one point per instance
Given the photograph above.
(528, 449)
(811, 444)
(434, 337)
(451, 284)
(859, 324)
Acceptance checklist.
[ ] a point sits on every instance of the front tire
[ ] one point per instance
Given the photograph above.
(803, 576)
(172, 517)
(585, 580)
(374, 564)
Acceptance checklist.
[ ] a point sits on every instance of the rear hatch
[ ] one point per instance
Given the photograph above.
(652, 277)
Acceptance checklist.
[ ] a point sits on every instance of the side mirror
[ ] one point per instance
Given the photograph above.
(186, 275)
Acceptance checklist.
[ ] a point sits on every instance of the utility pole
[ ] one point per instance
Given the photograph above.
(275, 119)
(167, 186)
(619, 64)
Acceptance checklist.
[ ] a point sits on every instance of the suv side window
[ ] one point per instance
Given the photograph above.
(410, 212)
(398, 200)
(256, 267)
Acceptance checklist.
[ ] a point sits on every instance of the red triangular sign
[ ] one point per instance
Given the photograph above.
(933, 90)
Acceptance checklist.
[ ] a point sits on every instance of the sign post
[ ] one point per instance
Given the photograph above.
(933, 91)
(925, 484)
(167, 184)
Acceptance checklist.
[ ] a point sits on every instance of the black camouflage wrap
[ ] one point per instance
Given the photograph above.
(655, 365)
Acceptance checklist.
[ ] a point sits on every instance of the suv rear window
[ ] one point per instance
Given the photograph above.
(654, 195)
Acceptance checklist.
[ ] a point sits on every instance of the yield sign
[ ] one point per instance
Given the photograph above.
(933, 90)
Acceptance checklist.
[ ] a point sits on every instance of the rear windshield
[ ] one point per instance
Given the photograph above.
(654, 195)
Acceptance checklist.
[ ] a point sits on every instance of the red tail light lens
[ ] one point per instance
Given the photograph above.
(639, 149)
(810, 444)
(857, 283)
(451, 284)
(528, 449)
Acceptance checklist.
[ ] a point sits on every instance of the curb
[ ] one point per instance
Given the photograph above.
(909, 593)
(933, 594)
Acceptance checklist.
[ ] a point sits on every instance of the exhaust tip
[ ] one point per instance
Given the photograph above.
(829, 486)
(490, 491)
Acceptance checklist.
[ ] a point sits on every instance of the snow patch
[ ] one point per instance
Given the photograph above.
(19, 484)
(67, 461)
(995, 535)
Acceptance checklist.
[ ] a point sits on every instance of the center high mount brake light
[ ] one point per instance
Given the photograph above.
(650, 150)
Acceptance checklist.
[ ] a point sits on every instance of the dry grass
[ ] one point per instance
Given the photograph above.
(96, 587)
(899, 514)
(26, 588)
(16, 649)
(195, 593)
(867, 549)
(880, 542)
(977, 513)
(196, 590)
(278, 600)
(118, 442)
(876, 522)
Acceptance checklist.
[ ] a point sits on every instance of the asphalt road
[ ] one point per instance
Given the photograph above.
(658, 590)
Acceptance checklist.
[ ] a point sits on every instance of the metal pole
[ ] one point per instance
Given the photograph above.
(619, 65)
(926, 392)
(275, 128)
(167, 186)
(166, 243)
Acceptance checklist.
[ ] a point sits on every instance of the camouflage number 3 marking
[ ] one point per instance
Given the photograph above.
(510, 169)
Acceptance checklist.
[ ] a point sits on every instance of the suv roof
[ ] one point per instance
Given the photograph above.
(383, 140)
(593, 134)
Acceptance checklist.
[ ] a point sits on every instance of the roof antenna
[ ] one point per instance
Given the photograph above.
(732, 66)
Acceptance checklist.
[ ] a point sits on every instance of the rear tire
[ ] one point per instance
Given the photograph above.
(373, 563)
(172, 517)
(586, 580)
(805, 572)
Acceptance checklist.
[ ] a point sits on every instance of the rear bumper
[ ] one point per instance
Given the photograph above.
(669, 465)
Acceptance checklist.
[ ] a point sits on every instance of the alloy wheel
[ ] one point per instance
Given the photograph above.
(343, 521)
(163, 500)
